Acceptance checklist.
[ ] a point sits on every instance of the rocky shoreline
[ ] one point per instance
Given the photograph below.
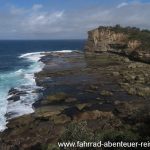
(95, 97)
(108, 91)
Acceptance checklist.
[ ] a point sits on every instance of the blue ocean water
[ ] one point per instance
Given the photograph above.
(19, 60)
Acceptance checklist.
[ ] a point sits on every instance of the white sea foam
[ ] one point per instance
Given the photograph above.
(63, 51)
(24, 105)
(32, 56)
(24, 80)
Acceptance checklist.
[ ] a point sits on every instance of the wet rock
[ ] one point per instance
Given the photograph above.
(137, 90)
(14, 94)
(20, 122)
(61, 119)
(82, 106)
(143, 91)
(40, 90)
(14, 91)
(94, 87)
(132, 66)
(54, 98)
(46, 112)
(70, 99)
(116, 73)
(46, 115)
(132, 91)
(10, 114)
(106, 93)
(141, 56)
(126, 60)
(14, 98)
(117, 102)
(132, 112)
(140, 79)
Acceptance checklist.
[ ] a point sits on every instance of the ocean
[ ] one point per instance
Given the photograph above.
(19, 60)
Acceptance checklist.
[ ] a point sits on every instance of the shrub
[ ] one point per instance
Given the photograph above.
(77, 132)
(114, 136)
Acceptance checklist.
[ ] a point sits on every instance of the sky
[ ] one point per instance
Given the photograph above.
(68, 19)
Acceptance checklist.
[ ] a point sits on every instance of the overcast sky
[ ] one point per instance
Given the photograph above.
(68, 19)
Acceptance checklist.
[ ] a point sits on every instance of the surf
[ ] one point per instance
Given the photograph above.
(22, 80)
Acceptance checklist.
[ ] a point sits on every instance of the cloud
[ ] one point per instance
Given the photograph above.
(42, 23)
(39, 23)
(42, 18)
(37, 6)
(15, 11)
(122, 5)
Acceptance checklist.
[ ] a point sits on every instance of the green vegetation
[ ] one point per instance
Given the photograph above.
(52, 147)
(77, 132)
(116, 136)
(80, 132)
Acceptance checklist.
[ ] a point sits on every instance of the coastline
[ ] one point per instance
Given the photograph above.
(95, 89)
(22, 94)
(28, 93)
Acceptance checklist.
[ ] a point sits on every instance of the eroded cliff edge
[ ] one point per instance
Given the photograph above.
(129, 41)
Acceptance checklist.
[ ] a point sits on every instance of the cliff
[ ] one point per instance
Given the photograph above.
(131, 42)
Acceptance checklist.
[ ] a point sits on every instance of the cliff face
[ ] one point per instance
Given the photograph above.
(118, 40)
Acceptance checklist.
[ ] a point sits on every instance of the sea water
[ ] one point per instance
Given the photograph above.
(19, 60)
